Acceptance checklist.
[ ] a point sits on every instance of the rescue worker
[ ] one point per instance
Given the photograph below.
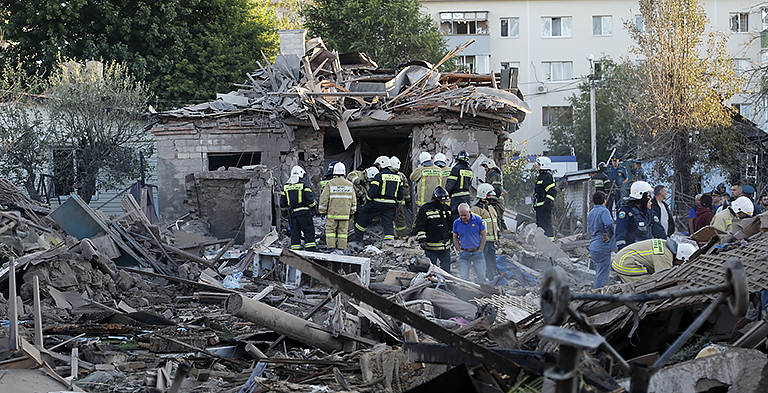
(328, 176)
(602, 183)
(442, 162)
(384, 192)
(459, 181)
(425, 179)
(401, 222)
(493, 177)
(337, 202)
(485, 209)
(636, 221)
(618, 177)
(544, 193)
(740, 208)
(639, 260)
(296, 201)
(432, 228)
(360, 180)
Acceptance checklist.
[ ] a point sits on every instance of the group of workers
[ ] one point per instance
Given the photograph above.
(441, 196)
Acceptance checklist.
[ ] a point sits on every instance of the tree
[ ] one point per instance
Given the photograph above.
(99, 119)
(677, 107)
(22, 128)
(389, 31)
(185, 50)
(612, 129)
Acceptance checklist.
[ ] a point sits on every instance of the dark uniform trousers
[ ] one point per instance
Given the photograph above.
(544, 219)
(301, 222)
(373, 209)
(455, 202)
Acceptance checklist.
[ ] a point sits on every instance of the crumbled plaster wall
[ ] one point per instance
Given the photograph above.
(236, 202)
(455, 134)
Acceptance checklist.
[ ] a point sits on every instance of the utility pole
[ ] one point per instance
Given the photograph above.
(592, 108)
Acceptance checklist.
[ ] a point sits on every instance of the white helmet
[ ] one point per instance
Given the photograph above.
(440, 157)
(743, 204)
(485, 189)
(383, 162)
(424, 157)
(297, 173)
(371, 172)
(395, 162)
(544, 162)
(489, 163)
(340, 169)
(685, 250)
(638, 189)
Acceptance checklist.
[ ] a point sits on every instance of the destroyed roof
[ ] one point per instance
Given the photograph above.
(325, 85)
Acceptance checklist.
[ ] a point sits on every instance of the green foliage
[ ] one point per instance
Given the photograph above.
(612, 128)
(519, 178)
(183, 50)
(22, 128)
(390, 32)
(99, 121)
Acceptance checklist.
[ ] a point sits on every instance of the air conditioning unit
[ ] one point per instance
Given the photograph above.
(541, 89)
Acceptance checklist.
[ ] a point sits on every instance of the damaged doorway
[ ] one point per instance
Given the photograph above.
(364, 151)
(238, 160)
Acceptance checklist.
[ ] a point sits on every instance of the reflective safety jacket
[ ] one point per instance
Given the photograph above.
(459, 180)
(426, 179)
(723, 220)
(386, 187)
(405, 186)
(634, 224)
(338, 199)
(493, 177)
(433, 226)
(637, 261)
(544, 191)
(297, 197)
(602, 183)
(488, 213)
(360, 183)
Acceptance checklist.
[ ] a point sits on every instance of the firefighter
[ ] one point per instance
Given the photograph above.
(441, 161)
(401, 222)
(639, 260)
(296, 202)
(636, 221)
(493, 177)
(459, 181)
(359, 179)
(601, 179)
(544, 193)
(484, 208)
(742, 207)
(432, 228)
(337, 202)
(384, 192)
(328, 176)
(425, 178)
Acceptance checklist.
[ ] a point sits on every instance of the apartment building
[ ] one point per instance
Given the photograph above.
(549, 41)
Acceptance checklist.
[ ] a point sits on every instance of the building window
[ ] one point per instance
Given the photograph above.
(557, 71)
(640, 23)
(556, 114)
(764, 14)
(469, 62)
(510, 64)
(739, 22)
(556, 27)
(740, 66)
(510, 27)
(602, 25)
(464, 23)
(745, 110)
(233, 160)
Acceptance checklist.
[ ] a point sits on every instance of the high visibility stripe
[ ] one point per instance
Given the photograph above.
(540, 181)
(298, 209)
(401, 228)
(330, 235)
(340, 196)
(550, 197)
(346, 217)
(342, 236)
(549, 186)
(539, 203)
(462, 193)
(385, 200)
(310, 244)
(439, 244)
(619, 264)
(361, 228)
(295, 246)
(389, 237)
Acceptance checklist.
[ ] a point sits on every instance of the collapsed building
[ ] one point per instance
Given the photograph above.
(313, 106)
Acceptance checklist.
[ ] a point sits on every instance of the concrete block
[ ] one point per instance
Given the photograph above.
(736, 370)
(535, 236)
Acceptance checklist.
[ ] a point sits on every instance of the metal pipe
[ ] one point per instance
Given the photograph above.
(691, 329)
(644, 297)
(281, 322)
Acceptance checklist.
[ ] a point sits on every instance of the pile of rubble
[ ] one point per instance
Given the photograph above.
(121, 304)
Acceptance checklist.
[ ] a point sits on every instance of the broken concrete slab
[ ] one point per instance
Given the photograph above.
(535, 236)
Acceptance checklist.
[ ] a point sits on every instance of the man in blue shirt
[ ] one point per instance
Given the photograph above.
(469, 239)
(603, 242)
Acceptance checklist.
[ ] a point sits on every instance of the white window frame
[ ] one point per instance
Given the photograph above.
(551, 113)
(476, 22)
(764, 18)
(605, 24)
(557, 71)
(738, 22)
(512, 28)
(552, 24)
(464, 60)
(510, 64)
